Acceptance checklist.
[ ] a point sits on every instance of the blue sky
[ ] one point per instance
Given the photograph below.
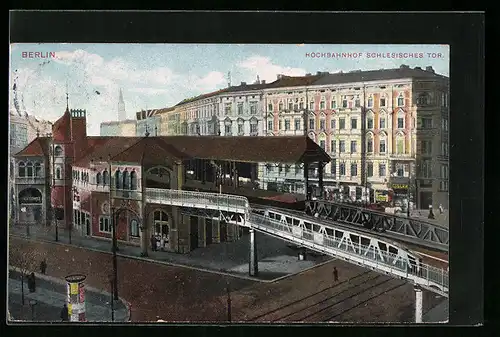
(161, 75)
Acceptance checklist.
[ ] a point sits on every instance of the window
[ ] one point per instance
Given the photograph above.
(253, 128)
(426, 123)
(401, 122)
(381, 170)
(423, 99)
(354, 169)
(426, 169)
(333, 124)
(357, 102)
(297, 123)
(382, 123)
(322, 105)
(118, 179)
(270, 126)
(301, 105)
(353, 146)
(401, 100)
(344, 102)
(400, 145)
(369, 145)
(287, 124)
(369, 123)
(369, 169)
(311, 124)
(341, 123)
(38, 170)
(400, 171)
(98, 178)
(240, 129)
(126, 180)
(370, 102)
(58, 173)
(333, 167)
(311, 105)
(105, 178)
(253, 108)
(322, 124)
(354, 123)
(444, 148)
(58, 151)
(342, 169)
(134, 228)
(444, 171)
(426, 147)
(382, 101)
(342, 146)
(280, 124)
(444, 124)
(333, 104)
(270, 107)
(287, 169)
(29, 169)
(269, 167)
(133, 180)
(104, 224)
(228, 130)
(333, 146)
(22, 169)
(382, 146)
(280, 106)
(322, 144)
(227, 109)
(290, 105)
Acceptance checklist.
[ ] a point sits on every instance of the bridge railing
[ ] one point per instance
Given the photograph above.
(432, 275)
(220, 201)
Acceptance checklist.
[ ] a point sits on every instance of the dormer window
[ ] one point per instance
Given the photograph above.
(29, 169)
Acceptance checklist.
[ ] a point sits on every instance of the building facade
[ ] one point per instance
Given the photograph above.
(124, 128)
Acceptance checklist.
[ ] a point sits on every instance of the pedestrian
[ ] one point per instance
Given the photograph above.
(335, 274)
(441, 209)
(153, 242)
(431, 213)
(43, 266)
(64, 313)
(31, 283)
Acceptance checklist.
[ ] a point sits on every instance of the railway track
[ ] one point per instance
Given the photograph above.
(330, 302)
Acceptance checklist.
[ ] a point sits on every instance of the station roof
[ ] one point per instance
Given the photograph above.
(38, 147)
(153, 150)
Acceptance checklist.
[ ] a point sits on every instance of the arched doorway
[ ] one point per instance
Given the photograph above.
(30, 206)
(161, 229)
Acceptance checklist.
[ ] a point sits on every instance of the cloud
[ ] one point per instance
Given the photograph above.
(210, 81)
(266, 70)
(150, 91)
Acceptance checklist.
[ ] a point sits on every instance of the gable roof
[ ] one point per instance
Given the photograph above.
(38, 147)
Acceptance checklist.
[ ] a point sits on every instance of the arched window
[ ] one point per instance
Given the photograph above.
(22, 169)
(161, 223)
(126, 180)
(401, 100)
(133, 180)
(38, 170)
(369, 120)
(400, 143)
(58, 151)
(105, 178)
(423, 99)
(134, 228)
(29, 169)
(118, 179)
(58, 173)
(401, 120)
(369, 143)
(98, 178)
(370, 101)
(383, 143)
(382, 121)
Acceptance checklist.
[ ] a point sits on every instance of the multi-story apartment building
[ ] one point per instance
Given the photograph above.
(148, 122)
(23, 129)
(125, 128)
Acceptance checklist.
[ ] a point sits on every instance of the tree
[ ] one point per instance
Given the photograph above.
(25, 261)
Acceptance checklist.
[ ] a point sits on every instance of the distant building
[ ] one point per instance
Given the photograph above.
(125, 128)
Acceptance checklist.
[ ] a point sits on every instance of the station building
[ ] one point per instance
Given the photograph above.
(87, 183)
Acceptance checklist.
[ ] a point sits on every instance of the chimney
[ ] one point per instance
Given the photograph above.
(429, 68)
(279, 76)
(308, 74)
(418, 68)
(263, 82)
(243, 83)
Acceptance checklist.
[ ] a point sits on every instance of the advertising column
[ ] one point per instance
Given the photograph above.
(76, 297)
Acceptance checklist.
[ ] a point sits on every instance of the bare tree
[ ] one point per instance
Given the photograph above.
(25, 261)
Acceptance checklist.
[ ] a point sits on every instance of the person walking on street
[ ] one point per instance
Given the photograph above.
(153, 243)
(441, 209)
(43, 266)
(31, 283)
(335, 274)
(64, 313)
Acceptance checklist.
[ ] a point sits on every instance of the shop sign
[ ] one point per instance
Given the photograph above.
(399, 186)
(30, 200)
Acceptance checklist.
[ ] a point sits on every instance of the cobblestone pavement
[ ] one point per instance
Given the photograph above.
(50, 295)
(276, 259)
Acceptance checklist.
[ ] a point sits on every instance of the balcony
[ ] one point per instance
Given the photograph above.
(30, 180)
(125, 194)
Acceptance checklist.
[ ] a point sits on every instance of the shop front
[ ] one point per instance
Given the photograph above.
(400, 194)
(30, 206)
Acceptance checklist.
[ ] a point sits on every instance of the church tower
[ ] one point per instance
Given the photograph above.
(121, 107)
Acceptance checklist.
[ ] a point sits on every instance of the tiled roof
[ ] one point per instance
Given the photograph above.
(150, 150)
(38, 147)
(203, 96)
(62, 127)
(104, 147)
(295, 81)
(376, 75)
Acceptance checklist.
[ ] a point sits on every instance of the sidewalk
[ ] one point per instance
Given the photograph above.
(276, 259)
(50, 295)
(439, 219)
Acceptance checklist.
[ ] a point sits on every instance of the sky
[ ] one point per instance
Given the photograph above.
(161, 75)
